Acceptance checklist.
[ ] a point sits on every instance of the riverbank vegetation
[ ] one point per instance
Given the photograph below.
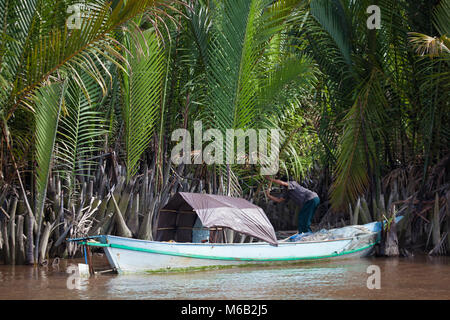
(88, 104)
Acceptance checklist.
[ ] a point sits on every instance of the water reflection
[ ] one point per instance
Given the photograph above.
(415, 278)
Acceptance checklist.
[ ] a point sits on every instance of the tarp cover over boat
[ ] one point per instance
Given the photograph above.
(177, 218)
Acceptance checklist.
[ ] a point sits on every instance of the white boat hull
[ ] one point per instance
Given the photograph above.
(132, 255)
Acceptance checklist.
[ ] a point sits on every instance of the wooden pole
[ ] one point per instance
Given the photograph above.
(89, 260)
(19, 238)
(4, 231)
(436, 230)
(12, 230)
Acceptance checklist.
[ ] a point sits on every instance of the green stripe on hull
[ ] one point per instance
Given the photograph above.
(187, 255)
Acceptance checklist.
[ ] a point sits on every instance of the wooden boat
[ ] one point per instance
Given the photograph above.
(134, 255)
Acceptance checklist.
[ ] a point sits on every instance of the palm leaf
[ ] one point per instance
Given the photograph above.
(80, 130)
(49, 100)
(441, 17)
(53, 46)
(247, 66)
(331, 15)
(361, 133)
(231, 57)
(143, 93)
(435, 46)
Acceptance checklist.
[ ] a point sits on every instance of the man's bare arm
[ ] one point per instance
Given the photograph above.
(277, 181)
(271, 197)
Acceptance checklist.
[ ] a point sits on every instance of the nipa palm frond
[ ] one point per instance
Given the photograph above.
(441, 18)
(331, 15)
(231, 59)
(143, 93)
(38, 50)
(363, 130)
(49, 100)
(80, 129)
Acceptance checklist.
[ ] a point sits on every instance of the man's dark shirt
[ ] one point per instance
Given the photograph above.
(298, 194)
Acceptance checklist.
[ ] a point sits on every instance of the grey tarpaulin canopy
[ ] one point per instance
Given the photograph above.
(178, 216)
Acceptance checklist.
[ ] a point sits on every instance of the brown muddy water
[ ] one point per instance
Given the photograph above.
(419, 277)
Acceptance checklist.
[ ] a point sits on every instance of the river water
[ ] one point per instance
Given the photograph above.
(419, 277)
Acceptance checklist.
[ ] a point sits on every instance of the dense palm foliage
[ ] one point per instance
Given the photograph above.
(39, 54)
(379, 94)
(364, 112)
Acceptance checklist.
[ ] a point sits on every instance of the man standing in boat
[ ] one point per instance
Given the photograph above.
(307, 200)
